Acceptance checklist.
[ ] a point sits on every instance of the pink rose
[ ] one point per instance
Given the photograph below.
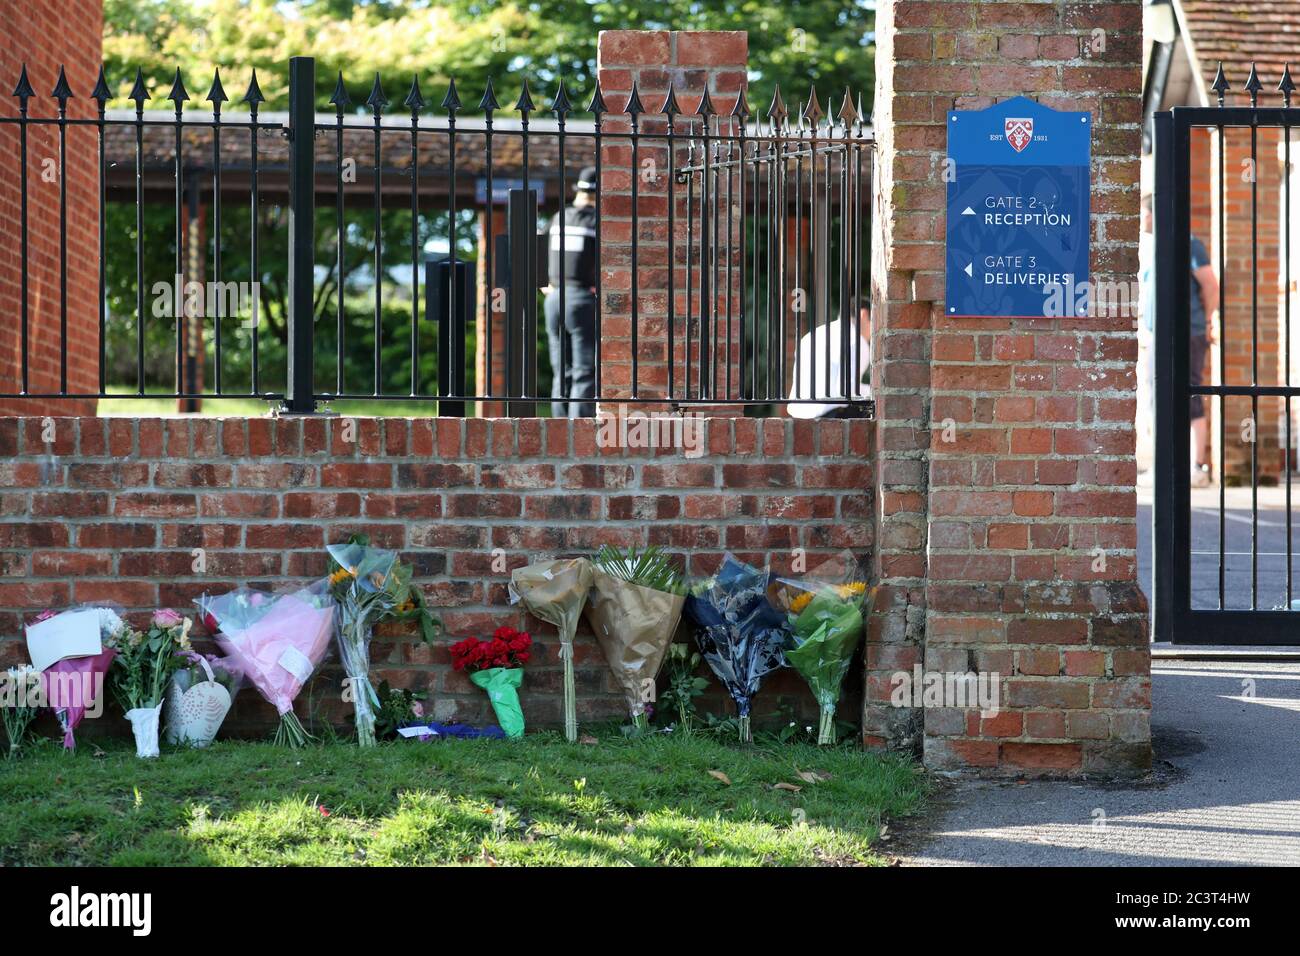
(166, 618)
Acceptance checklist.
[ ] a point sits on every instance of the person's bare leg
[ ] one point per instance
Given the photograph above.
(1200, 432)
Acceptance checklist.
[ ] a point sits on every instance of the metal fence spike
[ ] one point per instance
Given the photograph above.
(597, 104)
(62, 91)
(706, 107)
(1286, 85)
(451, 102)
(525, 103)
(561, 106)
(741, 109)
(377, 100)
(812, 110)
(671, 107)
(254, 94)
(339, 99)
(847, 114)
(138, 91)
(178, 94)
(414, 100)
(1220, 84)
(489, 101)
(217, 95)
(1253, 86)
(634, 107)
(24, 90)
(101, 92)
(777, 109)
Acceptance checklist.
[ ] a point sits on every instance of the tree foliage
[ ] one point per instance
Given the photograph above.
(796, 43)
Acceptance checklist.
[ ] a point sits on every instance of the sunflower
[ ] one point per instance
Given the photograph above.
(339, 575)
(801, 601)
(852, 589)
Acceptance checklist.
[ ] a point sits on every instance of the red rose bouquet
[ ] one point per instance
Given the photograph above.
(497, 665)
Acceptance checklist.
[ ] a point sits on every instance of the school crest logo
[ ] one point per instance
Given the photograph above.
(1020, 133)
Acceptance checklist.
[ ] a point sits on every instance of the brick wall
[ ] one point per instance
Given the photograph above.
(987, 542)
(693, 62)
(45, 35)
(112, 509)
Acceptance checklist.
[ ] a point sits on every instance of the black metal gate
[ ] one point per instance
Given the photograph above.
(1245, 602)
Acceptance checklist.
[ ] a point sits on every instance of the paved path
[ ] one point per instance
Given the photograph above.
(1226, 789)
(1265, 518)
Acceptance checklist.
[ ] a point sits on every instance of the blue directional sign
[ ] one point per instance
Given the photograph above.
(1018, 192)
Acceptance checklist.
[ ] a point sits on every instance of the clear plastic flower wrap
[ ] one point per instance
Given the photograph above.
(827, 608)
(277, 641)
(742, 636)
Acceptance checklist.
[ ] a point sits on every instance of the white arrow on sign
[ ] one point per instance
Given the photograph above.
(968, 211)
(969, 270)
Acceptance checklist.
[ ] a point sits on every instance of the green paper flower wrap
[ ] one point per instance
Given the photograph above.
(826, 633)
(502, 685)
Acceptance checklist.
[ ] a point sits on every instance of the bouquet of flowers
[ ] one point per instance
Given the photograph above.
(202, 690)
(398, 708)
(497, 665)
(636, 601)
(741, 635)
(20, 694)
(276, 642)
(369, 585)
(827, 625)
(142, 672)
(71, 685)
(555, 591)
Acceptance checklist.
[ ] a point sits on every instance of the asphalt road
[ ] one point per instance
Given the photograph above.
(1271, 542)
(1224, 791)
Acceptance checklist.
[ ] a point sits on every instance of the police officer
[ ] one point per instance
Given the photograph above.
(572, 266)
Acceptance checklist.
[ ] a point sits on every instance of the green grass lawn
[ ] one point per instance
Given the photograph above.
(540, 801)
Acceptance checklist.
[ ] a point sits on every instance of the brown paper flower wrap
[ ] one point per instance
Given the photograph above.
(634, 626)
(555, 591)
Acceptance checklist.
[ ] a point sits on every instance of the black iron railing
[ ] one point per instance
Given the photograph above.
(1231, 580)
(755, 261)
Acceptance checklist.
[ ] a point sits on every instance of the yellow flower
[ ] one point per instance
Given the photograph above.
(801, 601)
(339, 575)
(852, 589)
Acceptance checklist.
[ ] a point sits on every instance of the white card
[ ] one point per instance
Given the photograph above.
(417, 732)
(70, 634)
(296, 663)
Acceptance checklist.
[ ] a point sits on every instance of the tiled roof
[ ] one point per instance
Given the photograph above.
(1242, 32)
(159, 151)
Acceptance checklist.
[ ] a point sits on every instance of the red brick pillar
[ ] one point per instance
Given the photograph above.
(485, 313)
(693, 62)
(1006, 507)
(45, 34)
